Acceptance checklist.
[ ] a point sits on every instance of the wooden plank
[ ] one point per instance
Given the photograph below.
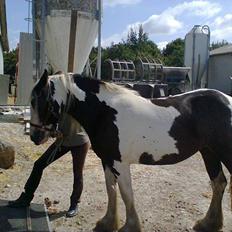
(72, 40)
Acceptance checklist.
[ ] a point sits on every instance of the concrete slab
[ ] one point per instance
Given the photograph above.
(33, 218)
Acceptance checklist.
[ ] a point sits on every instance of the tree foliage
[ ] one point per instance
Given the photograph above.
(10, 61)
(218, 44)
(174, 53)
(137, 44)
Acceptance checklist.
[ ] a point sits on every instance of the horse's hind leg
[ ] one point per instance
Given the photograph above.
(109, 222)
(227, 161)
(213, 221)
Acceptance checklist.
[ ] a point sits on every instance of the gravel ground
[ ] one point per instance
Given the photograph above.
(167, 198)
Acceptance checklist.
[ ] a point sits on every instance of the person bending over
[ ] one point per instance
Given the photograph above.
(72, 139)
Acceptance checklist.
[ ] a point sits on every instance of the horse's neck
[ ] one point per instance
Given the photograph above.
(90, 112)
(79, 109)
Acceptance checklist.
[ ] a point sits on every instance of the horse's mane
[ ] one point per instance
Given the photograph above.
(112, 87)
(60, 78)
(108, 86)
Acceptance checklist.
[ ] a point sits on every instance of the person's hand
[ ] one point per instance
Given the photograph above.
(57, 134)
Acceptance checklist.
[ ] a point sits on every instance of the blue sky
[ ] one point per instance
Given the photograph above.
(163, 20)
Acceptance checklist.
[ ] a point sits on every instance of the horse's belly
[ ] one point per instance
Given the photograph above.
(139, 139)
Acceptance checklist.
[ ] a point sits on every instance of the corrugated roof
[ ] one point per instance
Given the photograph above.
(227, 49)
(3, 25)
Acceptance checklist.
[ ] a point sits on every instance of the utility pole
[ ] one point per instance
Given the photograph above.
(99, 39)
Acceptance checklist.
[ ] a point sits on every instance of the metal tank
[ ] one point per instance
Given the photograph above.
(196, 55)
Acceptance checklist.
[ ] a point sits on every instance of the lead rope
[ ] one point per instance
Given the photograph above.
(61, 139)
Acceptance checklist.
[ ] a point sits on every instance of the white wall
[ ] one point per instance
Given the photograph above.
(4, 86)
(220, 69)
(1, 60)
(25, 81)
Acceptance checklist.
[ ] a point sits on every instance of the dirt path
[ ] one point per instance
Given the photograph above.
(168, 198)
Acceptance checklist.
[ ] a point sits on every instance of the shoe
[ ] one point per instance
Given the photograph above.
(73, 211)
(23, 201)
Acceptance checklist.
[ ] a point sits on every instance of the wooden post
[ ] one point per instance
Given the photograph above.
(72, 40)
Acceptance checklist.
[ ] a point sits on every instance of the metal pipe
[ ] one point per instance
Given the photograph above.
(193, 58)
(35, 69)
(208, 52)
(28, 19)
(99, 39)
(42, 39)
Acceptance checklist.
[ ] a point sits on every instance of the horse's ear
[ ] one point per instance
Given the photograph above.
(44, 79)
(43, 82)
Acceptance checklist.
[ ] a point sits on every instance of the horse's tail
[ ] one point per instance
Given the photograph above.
(231, 192)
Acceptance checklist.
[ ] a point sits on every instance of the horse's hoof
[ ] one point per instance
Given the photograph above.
(126, 229)
(100, 227)
(103, 230)
(207, 226)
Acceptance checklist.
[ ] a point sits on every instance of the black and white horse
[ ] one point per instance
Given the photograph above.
(125, 129)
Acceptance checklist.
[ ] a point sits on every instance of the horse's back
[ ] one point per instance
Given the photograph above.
(204, 121)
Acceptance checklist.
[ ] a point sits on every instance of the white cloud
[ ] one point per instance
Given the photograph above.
(222, 34)
(198, 8)
(161, 45)
(224, 21)
(161, 24)
(13, 37)
(222, 28)
(113, 3)
(169, 21)
(116, 38)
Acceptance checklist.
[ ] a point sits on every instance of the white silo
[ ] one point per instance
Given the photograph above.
(66, 31)
(196, 55)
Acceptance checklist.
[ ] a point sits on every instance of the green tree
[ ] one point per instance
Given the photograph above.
(132, 37)
(174, 53)
(10, 61)
(136, 45)
(142, 36)
(218, 44)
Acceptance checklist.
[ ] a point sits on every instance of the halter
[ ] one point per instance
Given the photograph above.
(50, 111)
(44, 128)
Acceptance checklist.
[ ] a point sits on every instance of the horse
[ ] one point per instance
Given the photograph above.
(125, 128)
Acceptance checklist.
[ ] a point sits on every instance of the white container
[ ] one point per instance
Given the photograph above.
(57, 39)
(196, 55)
(65, 46)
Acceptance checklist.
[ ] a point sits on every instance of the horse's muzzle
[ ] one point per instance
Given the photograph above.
(38, 137)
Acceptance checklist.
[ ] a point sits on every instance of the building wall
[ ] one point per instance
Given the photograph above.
(220, 69)
(4, 86)
(25, 81)
(1, 60)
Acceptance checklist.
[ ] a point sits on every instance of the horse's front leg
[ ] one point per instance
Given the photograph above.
(124, 180)
(109, 222)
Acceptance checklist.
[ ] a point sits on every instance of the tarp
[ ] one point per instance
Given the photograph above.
(57, 32)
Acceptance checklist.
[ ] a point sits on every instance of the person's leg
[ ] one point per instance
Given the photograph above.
(51, 154)
(78, 156)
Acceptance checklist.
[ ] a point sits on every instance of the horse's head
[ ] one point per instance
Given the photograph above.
(45, 111)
